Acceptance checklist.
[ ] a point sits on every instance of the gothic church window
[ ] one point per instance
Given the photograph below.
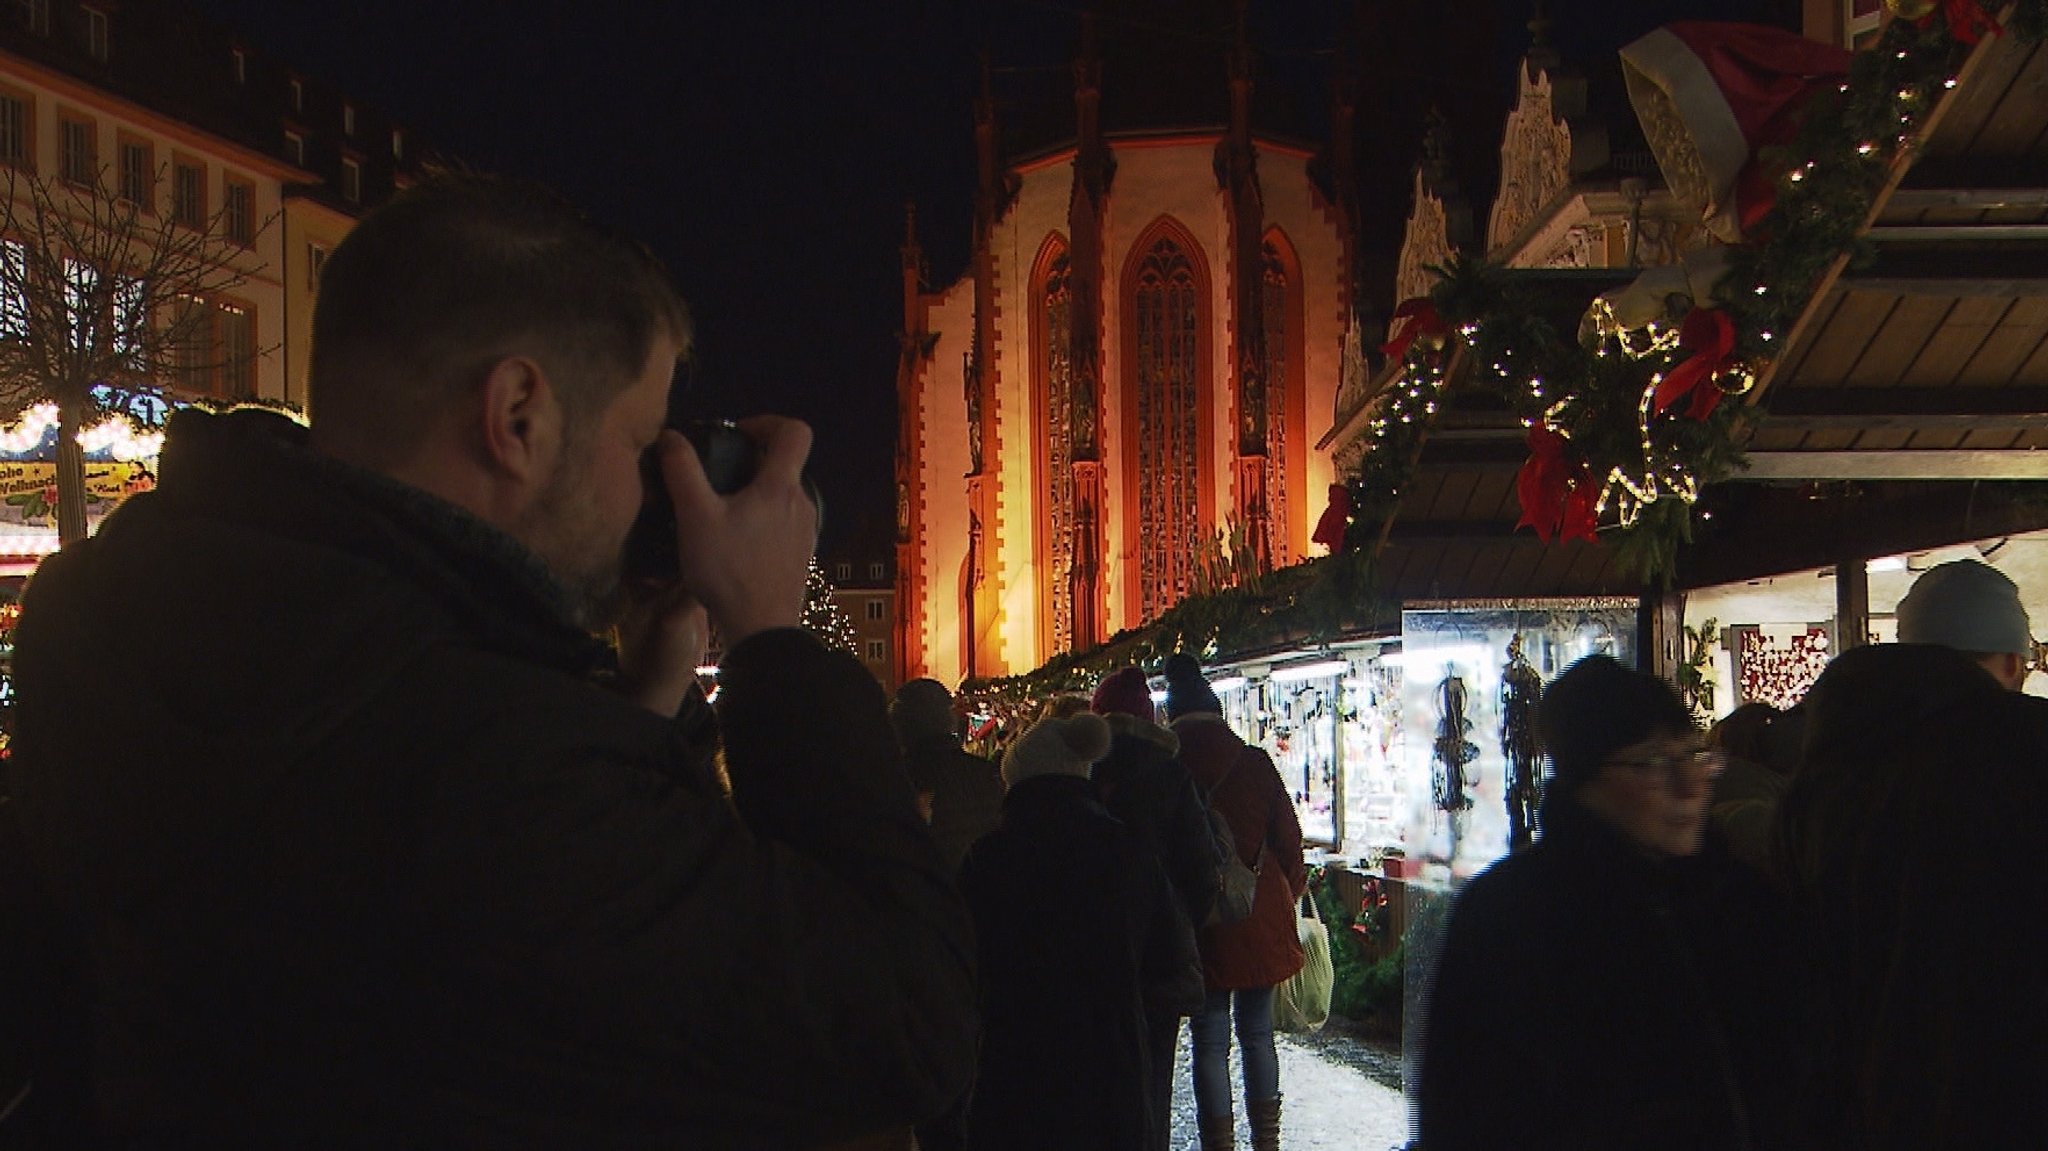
(1167, 306)
(1056, 418)
(1282, 311)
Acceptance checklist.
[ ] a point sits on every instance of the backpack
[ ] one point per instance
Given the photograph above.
(1237, 885)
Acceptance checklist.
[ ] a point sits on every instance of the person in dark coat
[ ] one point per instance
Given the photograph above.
(1242, 962)
(1080, 940)
(379, 846)
(1746, 796)
(1142, 783)
(1934, 1001)
(1614, 986)
(961, 792)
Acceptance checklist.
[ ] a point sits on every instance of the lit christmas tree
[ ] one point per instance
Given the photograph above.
(823, 617)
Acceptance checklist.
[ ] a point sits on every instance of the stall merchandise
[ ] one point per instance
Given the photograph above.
(1456, 658)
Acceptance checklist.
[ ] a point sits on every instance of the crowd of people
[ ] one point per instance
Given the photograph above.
(1101, 915)
(1820, 928)
(381, 846)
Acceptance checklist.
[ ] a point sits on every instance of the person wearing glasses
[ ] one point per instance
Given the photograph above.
(1623, 983)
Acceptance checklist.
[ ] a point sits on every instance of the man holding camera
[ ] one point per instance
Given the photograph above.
(373, 845)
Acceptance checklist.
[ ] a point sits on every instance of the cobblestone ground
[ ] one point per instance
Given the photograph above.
(1341, 1095)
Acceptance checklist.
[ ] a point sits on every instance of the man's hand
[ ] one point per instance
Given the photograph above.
(746, 556)
(662, 639)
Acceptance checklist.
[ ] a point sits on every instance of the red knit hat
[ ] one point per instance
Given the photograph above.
(1124, 691)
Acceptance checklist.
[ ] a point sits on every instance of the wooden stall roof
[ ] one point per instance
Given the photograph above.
(1907, 410)
(1931, 362)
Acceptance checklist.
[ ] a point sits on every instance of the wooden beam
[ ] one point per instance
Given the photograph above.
(1945, 422)
(1751, 531)
(1972, 182)
(1956, 233)
(1960, 464)
(1971, 403)
(1982, 198)
(1852, 602)
(1946, 287)
(2002, 266)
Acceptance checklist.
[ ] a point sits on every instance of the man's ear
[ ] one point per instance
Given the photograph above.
(521, 419)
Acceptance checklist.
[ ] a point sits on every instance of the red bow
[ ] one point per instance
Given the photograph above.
(1556, 493)
(1330, 529)
(1710, 336)
(1967, 20)
(1421, 320)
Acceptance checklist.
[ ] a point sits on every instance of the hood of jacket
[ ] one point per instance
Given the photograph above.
(1123, 726)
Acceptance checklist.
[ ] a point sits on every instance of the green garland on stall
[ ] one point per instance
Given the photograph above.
(1651, 467)
(1311, 602)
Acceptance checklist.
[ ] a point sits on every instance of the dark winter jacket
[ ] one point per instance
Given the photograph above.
(1142, 783)
(369, 854)
(966, 791)
(1590, 997)
(1917, 835)
(1079, 937)
(1241, 782)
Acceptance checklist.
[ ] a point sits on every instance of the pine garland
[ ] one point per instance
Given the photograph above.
(1651, 467)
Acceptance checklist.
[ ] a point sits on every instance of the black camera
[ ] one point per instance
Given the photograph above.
(730, 458)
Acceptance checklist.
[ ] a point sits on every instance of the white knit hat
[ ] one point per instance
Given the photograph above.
(1067, 746)
(1966, 605)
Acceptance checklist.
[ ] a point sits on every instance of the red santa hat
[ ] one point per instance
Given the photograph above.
(1711, 96)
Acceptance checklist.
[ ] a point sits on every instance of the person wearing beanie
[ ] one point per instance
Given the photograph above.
(1187, 692)
(1079, 940)
(1932, 999)
(1974, 608)
(959, 792)
(1242, 962)
(1614, 985)
(1142, 783)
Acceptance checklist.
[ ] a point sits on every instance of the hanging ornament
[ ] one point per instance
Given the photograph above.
(1452, 750)
(1710, 336)
(1909, 9)
(1520, 687)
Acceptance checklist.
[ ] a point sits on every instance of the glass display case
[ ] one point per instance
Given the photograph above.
(1455, 715)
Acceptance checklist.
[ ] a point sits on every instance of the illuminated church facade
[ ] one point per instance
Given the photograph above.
(1135, 367)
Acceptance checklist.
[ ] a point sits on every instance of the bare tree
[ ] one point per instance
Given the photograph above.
(109, 290)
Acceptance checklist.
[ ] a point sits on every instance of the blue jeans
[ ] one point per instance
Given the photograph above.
(1211, 1031)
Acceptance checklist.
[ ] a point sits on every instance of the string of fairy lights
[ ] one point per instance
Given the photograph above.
(1600, 391)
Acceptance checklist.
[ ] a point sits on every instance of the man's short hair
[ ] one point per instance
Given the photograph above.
(455, 274)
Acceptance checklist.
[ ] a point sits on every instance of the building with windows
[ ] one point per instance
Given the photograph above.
(196, 129)
(1128, 382)
(864, 587)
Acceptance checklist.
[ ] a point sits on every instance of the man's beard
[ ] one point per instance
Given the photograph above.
(588, 571)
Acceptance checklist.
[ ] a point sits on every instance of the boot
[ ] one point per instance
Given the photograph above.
(1265, 1117)
(1219, 1132)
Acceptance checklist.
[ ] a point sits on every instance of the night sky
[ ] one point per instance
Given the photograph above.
(766, 149)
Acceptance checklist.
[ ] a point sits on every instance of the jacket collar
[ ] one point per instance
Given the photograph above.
(1043, 795)
(1122, 725)
(1198, 719)
(256, 469)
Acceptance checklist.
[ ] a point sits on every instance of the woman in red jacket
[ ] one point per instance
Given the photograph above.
(1242, 962)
